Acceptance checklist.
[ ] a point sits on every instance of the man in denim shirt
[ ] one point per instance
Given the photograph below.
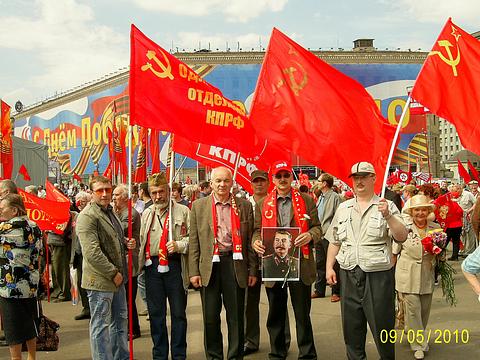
(471, 268)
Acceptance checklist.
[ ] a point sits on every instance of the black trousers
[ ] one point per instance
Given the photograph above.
(367, 298)
(277, 312)
(321, 250)
(453, 234)
(77, 262)
(223, 286)
(252, 318)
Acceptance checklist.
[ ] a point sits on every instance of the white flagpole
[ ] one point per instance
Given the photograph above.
(130, 235)
(172, 170)
(235, 170)
(394, 142)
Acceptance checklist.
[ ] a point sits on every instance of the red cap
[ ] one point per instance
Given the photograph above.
(281, 165)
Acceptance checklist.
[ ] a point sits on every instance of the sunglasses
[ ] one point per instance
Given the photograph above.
(284, 175)
(101, 191)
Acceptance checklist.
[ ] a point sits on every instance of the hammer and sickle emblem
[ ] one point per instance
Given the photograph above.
(450, 60)
(292, 82)
(166, 70)
(269, 214)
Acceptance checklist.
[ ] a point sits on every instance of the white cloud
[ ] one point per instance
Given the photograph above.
(438, 11)
(234, 10)
(64, 45)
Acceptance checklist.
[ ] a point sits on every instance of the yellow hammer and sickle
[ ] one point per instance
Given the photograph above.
(166, 70)
(292, 83)
(450, 61)
(269, 214)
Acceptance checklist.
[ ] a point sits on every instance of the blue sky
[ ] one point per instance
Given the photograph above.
(54, 45)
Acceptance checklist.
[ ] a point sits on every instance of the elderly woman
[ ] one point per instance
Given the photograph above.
(21, 241)
(414, 274)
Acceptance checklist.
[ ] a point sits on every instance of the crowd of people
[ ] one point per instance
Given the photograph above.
(211, 238)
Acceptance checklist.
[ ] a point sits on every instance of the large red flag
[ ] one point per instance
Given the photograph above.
(213, 156)
(305, 105)
(165, 94)
(463, 172)
(473, 171)
(48, 214)
(449, 83)
(141, 166)
(6, 147)
(54, 194)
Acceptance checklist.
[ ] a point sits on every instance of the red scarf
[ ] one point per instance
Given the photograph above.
(236, 238)
(269, 214)
(162, 247)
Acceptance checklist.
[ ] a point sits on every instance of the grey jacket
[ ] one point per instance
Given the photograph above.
(102, 254)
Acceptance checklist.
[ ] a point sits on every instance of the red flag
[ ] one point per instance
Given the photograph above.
(404, 176)
(108, 171)
(304, 105)
(48, 214)
(165, 94)
(24, 172)
(53, 193)
(463, 172)
(6, 147)
(77, 177)
(449, 83)
(473, 171)
(141, 167)
(154, 151)
(213, 156)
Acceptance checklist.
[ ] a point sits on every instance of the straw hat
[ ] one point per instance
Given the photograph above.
(418, 201)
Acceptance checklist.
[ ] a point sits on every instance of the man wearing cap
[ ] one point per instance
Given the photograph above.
(222, 262)
(164, 261)
(286, 207)
(466, 200)
(360, 237)
(327, 204)
(473, 185)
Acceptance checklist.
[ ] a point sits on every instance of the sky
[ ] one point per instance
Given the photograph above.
(51, 46)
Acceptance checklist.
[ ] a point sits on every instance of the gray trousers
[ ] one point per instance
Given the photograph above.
(367, 298)
(60, 256)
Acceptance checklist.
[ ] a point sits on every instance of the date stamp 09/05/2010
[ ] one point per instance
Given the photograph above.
(437, 336)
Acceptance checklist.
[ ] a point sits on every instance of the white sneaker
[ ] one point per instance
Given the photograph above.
(419, 354)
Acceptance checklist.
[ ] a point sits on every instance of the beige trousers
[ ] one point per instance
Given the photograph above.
(417, 312)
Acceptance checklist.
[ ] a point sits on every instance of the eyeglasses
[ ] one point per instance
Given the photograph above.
(284, 175)
(108, 191)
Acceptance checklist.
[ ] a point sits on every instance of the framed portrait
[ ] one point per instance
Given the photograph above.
(281, 260)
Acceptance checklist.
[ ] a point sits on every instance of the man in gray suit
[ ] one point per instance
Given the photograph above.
(222, 262)
(327, 204)
(104, 272)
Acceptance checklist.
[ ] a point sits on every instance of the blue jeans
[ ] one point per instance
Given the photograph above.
(159, 288)
(108, 324)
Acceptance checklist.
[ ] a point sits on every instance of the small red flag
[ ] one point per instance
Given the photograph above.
(53, 193)
(463, 172)
(449, 83)
(77, 177)
(24, 172)
(473, 171)
(154, 151)
(108, 171)
(6, 147)
(304, 105)
(141, 167)
(165, 94)
(48, 214)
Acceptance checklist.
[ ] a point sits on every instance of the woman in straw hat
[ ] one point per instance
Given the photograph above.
(414, 274)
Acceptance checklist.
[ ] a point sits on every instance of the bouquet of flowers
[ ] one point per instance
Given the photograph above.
(435, 243)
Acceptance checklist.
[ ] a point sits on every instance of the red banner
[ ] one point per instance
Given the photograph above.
(473, 171)
(165, 94)
(141, 167)
(47, 214)
(449, 83)
(463, 172)
(6, 148)
(213, 156)
(304, 105)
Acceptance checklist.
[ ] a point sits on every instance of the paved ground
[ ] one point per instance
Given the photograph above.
(74, 341)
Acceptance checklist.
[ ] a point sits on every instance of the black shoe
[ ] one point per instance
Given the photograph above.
(248, 350)
(82, 316)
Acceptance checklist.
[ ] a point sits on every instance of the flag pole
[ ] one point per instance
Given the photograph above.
(394, 143)
(177, 171)
(235, 170)
(130, 235)
(170, 201)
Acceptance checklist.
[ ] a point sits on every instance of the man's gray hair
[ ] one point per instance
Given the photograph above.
(83, 195)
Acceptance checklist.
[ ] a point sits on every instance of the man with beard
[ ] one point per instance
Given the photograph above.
(360, 237)
(222, 262)
(281, 264)
(286, 207)
(164, 260)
